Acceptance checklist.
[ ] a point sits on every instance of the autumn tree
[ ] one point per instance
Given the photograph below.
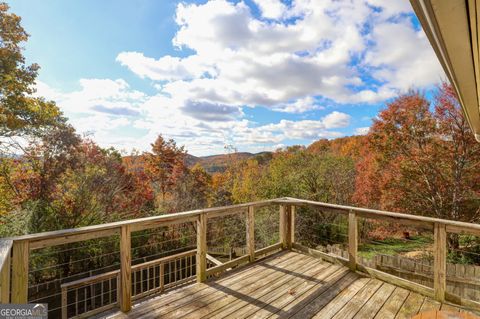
(161, 164)
(20, 112)
(63, 181)
(192, 189)
(421, 161)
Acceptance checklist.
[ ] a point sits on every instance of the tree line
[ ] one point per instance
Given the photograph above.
(419, 157)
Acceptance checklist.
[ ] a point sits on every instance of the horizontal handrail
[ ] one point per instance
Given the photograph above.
(452, 226)
(138, 222)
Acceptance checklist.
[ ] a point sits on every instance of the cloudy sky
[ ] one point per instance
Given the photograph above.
(255, 74)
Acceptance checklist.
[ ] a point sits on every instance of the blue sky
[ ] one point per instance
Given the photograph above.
(257, 74)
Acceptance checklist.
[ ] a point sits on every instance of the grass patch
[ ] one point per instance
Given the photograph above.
(393, 246)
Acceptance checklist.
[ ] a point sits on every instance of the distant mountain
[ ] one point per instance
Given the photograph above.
(211, 163)
(219, 163)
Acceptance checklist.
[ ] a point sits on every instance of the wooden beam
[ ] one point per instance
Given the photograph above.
(422, 221)
(374, 273)
(462, 301)
(20, 259)
(251, 233)
(320, 254)
(397, 281)
(5, 266)
(162, 277)
(268, 249)
(201, 261)
(65, 302)
(352, 241)
(125, 268)
(440, 262)
(293, 213)
(142, 223)
(281, 225)
(229, 264)
(214, 260)
(73, 238)
(5, 280)
(288, 227)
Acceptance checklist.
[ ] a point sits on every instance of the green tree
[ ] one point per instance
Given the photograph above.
(20, 113)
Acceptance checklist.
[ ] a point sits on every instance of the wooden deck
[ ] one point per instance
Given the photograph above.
(287, 285)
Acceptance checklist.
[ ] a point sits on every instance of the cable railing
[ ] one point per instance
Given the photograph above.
(85, 271)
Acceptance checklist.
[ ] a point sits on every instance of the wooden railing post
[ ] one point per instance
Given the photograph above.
(5, 274)
(286, 226)
(440, 261)
(352, 240)
(282, 223)
(64, 302)
(293, 212)
(125, 268)
(201, 261)
(251, 233)
(162, 276)
(20, 251)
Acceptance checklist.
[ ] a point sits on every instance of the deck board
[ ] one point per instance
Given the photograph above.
(286, 285)
(411, 306)
(375, 303)
(356, 303)
(266, 296)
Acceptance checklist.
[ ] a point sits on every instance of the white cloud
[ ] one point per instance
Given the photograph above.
(362, 130)
(336, 119)
(271, 9)
(293, 58)
(96, 96)
(165, 68)
(411, 64)
(301, 105)
(241, 60)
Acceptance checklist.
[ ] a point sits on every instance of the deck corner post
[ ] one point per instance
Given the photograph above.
(20, 259)
(352, 240)
(201, 261)
(125, 269)
(251, 233)
(286, 226)
(440, 262)
(5, 279)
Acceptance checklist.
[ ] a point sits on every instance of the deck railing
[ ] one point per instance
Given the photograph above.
(255, 230)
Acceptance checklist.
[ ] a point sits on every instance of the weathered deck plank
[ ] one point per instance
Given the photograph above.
(393, 304)
(287, 285)
(228, 297)
(229, 309)
(429, 305)
(411, 306)
(318, 301)
(175, 299)
(191, 301)
(370, 309)
(331, 308)
(354, 305)
(283, 295)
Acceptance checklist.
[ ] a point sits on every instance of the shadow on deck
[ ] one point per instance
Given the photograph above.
(287, 285)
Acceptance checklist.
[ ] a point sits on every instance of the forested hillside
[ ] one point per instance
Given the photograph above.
(419, 157)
